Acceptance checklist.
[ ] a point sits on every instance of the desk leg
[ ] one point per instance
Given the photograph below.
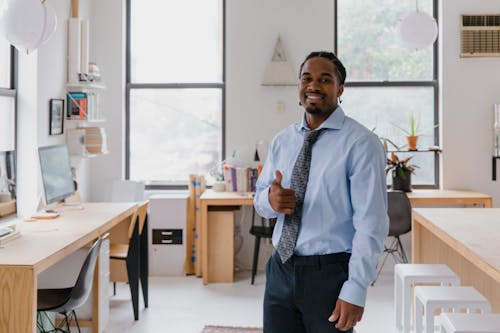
(204, 243)
(416, 235)
(95, 297)
(488, 203)
(144, 262)
(17, 300)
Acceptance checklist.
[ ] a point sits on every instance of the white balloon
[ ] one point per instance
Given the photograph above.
(22, 23)
(50, 22)
(418, 31)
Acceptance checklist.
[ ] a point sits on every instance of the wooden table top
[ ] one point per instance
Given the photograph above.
(235, 198)
(473, 232)
(44, 242)
(436, 193)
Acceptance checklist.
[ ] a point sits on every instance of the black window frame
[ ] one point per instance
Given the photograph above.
(12, 90)
(434, 83)
(130, 86)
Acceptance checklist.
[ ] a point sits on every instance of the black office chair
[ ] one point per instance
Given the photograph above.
(135, 255)
(265, 230)
(399, 212)
(66, 300)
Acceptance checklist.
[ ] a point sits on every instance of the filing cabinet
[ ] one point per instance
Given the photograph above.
(167, 236)
(167, 223)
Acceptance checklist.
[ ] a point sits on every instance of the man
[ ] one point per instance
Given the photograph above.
(324, 180)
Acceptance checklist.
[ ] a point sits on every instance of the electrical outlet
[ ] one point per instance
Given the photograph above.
(280, 106)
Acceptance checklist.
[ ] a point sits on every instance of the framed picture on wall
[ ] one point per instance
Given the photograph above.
(56, 121)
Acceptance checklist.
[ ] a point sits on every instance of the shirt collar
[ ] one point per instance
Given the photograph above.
(334, 121)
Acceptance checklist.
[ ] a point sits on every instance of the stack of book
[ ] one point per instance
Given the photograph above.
(86, 140)
(8, 233)
(76, 103)
(95, 140)
(240, 179)
(82, 106)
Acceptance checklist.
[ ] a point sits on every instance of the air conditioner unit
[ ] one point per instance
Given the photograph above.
(480, 36)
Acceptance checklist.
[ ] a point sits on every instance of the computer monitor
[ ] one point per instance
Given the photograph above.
(56, 173)
(8, 173)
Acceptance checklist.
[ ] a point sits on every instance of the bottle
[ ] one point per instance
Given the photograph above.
(496, 127)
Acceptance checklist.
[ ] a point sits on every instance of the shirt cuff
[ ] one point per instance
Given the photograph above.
(262, 204)
(353, 293)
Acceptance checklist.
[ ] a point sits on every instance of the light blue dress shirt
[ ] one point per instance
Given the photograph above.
(345, 204)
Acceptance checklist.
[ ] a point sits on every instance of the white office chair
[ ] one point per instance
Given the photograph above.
(126, 191)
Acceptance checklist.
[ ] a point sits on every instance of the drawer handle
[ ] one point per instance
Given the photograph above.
(166, 233)
(167, 241)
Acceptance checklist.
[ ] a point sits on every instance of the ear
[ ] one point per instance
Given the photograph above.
(341, 90)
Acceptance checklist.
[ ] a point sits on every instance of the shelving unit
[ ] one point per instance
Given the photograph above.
(436, 151)
(86, 85)
(91, 94)
(86, 139)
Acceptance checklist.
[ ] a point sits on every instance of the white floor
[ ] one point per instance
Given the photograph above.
(184, 305)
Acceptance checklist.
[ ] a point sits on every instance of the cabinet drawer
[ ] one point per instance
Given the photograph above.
(167, 236)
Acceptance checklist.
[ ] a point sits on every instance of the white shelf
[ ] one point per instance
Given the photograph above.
(90, 155)
(86, 85)
(102, 120)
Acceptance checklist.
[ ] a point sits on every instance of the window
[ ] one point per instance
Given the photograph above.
(7, 97)
(7, 118)
(175, 90)
(386, 84)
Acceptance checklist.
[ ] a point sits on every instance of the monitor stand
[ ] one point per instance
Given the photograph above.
(73, 201)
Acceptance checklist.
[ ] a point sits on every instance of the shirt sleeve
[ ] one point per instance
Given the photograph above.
(371, 223)
(261, 199)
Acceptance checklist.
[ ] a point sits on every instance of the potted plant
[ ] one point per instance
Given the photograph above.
(401, 172)
(413, 132)
(385, 141)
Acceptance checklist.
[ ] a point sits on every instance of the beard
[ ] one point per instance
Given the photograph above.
(313, 109)
(316, 110)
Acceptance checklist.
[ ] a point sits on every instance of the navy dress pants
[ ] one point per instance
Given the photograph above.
(301, 294)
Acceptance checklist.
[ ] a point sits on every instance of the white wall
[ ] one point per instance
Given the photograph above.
(108, 52)
(252, 28)
(27, 117)
(469, 88)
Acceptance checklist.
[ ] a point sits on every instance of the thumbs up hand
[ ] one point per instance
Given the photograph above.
(282, 200)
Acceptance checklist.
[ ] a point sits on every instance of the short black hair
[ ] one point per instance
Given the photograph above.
(330, 56)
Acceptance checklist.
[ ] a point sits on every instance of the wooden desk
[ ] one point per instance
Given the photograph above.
(423, 197)
(466, 239)
(449, 197)
(42, 244)
(211, 198)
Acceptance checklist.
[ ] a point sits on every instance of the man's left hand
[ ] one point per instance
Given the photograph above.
(346, 314)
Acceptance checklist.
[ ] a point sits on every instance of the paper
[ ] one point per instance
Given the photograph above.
(45, 215)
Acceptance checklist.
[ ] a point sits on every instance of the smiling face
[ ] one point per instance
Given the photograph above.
(319, 88)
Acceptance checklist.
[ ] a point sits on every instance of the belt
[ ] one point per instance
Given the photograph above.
(318, 260)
